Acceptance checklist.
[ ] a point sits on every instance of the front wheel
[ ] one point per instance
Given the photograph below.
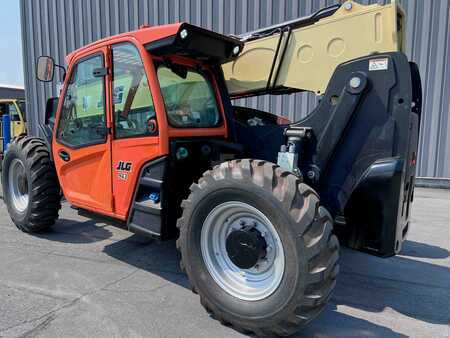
(30, 185)
(258, 248)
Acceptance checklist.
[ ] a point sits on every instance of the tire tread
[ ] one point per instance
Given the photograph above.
(314, 226)
(45, 196)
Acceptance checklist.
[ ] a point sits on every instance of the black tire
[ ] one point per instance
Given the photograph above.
(305, 229)
(41, 182)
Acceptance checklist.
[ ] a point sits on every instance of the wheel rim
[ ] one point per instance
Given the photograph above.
(257, 282)
(18, 185)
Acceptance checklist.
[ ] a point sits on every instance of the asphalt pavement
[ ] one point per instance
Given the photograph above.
(89, 278)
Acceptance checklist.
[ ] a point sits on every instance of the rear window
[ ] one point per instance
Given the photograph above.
(190, 101)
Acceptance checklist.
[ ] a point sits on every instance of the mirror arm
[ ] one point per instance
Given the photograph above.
(63, 69)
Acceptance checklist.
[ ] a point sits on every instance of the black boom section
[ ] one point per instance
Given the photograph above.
(363, 153)
(198, 43)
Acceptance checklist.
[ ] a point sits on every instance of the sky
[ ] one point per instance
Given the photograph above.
(11, 63)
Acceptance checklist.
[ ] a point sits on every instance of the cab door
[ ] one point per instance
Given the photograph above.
(82, 142)
(136, 138)
(17, 121)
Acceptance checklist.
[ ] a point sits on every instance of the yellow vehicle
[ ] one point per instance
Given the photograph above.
(15, 108)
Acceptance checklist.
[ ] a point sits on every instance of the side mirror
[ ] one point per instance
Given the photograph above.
(50, 110)
(45, 69)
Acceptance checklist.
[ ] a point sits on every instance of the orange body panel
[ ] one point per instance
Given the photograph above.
(86, 178)
(138, 151)
(91, 179)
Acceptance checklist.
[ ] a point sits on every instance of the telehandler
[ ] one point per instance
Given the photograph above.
(145, 132)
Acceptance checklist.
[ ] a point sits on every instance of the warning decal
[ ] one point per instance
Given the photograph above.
(378, 64)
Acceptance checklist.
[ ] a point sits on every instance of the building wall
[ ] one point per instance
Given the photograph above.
(9, 92)
(54, 27)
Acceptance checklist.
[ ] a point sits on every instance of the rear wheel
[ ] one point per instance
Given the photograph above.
(258, 248)
(30, 185)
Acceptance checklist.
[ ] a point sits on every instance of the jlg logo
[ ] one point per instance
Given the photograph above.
(124, 166)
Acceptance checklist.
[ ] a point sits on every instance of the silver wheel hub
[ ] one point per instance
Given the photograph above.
(242, 251)
(18, 185)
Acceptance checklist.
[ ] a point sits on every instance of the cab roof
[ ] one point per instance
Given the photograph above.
(178, 38)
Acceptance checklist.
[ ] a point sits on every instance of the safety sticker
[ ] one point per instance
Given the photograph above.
(122, 176)
(378, 64)
(123, 168)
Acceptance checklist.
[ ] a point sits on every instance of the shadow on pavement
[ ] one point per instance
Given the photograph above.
(336, 324)
(76, 232)
(162, 257)
(415, 288)
(422, 250)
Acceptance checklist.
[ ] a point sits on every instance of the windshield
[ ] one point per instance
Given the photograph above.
(189, 98)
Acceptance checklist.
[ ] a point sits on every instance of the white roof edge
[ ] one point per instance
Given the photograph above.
(11, 86)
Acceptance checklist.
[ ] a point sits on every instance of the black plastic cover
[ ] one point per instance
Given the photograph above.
(198, 43)
(362, 156)
(367, 164)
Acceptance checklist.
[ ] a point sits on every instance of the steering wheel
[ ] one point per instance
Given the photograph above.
(152, 126)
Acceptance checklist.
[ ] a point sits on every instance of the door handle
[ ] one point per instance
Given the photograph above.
(64, 155)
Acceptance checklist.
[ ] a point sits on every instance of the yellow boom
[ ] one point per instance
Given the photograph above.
(304, 58)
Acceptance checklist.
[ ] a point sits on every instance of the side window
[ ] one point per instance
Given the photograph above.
(83, 118)
(22, 107)
(11, 110)
(134, 112)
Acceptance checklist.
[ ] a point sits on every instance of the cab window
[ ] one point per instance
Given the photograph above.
(13, 113)
(83, 118)
(23, 110)
(134, 112)
(188, 97)
(9, 108)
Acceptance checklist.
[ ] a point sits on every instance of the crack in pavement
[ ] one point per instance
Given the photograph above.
(36, 291)
(64, 306)
(49, 313)
(167, 283)
(53, 314)
(42, 326)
